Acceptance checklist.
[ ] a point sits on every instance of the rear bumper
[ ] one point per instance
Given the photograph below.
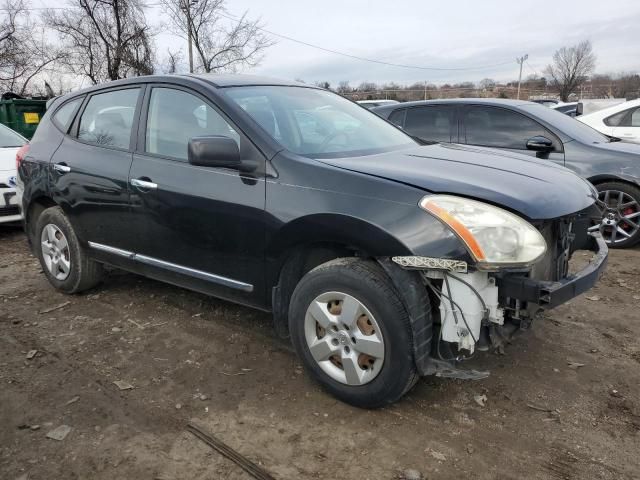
(551, 294)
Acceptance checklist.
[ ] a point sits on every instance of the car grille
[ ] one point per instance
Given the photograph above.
(10, 210)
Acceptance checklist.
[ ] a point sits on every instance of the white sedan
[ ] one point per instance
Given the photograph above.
(10, 143)
(621, 121)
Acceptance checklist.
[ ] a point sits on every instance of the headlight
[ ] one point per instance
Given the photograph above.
(493, 236)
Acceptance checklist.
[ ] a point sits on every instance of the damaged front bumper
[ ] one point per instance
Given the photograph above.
(548, 294)
(478, 309)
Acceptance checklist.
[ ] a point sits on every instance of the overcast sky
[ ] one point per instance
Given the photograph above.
(444, 34)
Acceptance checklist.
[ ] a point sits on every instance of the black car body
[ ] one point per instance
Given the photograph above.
(531, 129)
(294, 200)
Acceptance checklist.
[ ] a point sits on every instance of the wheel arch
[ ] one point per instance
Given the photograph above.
(32, 211)
(604, 178)
(307, 242)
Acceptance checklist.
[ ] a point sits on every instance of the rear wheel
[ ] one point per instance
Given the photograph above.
(64, 262)
(620, 226)
(352, 332)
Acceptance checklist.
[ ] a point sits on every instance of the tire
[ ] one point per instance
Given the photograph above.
(629, 194)
(82, 273)
(381, 317)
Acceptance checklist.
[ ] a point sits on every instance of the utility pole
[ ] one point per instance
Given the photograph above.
(520, 61)
(425, 90)
(187, 11)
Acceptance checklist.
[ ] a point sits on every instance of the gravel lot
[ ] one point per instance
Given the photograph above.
(563, 403)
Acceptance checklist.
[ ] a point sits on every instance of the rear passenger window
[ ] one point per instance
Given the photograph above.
(64, 114)
(431, 124)
(499, 127)
(397, 117)
(175, 117)
(616, 120)
(108, 118)
(626, 118)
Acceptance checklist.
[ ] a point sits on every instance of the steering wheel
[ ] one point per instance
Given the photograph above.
(331, 137)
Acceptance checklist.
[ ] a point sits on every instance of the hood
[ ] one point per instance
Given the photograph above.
(537, 189)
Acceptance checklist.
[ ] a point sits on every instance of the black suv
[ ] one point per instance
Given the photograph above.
(382, 259)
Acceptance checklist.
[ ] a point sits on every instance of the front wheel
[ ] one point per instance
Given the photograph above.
(352, 332)
(620, 226)
(64, 262)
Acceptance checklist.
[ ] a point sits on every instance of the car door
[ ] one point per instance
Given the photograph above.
(432, 123)
(497, 127)
(202, 227)
(89, 172)
(626, 125)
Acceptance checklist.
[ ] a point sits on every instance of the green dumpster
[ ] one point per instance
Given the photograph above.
(22, 115)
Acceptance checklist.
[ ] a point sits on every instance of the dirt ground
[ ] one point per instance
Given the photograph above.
(563, 403)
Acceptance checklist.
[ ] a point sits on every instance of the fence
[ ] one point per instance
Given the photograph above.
(428, 93)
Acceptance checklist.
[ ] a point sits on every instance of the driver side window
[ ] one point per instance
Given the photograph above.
(175, 117)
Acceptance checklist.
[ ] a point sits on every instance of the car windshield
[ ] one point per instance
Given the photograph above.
(9, 138)
(317, 123)
(566, 124)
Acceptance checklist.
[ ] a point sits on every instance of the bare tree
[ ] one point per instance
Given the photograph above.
(344, 87)
(25, 52)
(367, 87)
(487, 83)
(221, 43)
(570, 68)
(104, 39)
(172, 61)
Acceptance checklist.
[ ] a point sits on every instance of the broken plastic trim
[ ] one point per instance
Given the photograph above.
(449, 369)
(429, 263)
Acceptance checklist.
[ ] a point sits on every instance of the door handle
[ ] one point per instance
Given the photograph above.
(143, 184)
(61, 168)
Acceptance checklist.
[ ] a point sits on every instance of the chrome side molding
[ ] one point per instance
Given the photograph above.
(113, 250)
(173, 267)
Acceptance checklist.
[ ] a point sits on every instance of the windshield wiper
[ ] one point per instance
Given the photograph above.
(423, 142)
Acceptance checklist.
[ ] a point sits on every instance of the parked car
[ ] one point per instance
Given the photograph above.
(10, 143)
(591, 105)
(528, 128)
(621, 121)
(569, 108)
(547, 102)
(376, 103)
(383, 260)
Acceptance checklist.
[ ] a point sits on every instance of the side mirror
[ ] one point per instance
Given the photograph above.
(539, 144)
(214, 151)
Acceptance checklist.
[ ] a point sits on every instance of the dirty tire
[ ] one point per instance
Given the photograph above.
(633, 192)
(84, 272)
(367, 282)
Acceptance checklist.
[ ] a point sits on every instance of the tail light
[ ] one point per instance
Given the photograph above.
(20, 154)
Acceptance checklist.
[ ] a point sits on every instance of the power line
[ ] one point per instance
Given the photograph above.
(318, 47)
(364, 59)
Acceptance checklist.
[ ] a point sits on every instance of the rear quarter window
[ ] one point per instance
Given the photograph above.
(64, 115)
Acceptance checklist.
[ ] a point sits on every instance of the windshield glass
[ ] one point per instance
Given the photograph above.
(317, 123)
(9, 138)
(569, 126)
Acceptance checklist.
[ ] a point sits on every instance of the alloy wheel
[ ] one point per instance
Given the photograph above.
(55, 252)
(344, 338)
(621, 219)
